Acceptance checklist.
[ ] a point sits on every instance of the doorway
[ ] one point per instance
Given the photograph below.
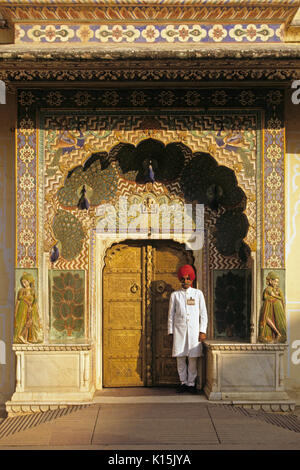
(138, 278)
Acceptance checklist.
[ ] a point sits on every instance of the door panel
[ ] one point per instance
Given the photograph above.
(123, 372)
(123, 357)
(138, 279)
(123, 315)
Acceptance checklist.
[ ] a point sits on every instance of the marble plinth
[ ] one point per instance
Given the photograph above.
(50, 376)
(246, 374)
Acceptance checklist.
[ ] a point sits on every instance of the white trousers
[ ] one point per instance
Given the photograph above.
(187, 370)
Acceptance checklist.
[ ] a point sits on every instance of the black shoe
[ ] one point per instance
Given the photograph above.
(192, 389)
(181, 388)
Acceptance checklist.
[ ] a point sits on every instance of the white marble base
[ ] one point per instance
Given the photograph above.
(245, 373)
(51, 376)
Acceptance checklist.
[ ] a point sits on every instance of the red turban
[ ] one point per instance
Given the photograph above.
(186, 270)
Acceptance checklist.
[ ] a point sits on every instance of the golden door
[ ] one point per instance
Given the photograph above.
(138, 279)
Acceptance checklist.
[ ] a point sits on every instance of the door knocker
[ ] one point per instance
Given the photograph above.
(160, 287)
(134, 288)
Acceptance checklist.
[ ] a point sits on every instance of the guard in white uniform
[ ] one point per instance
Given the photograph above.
(187, 323)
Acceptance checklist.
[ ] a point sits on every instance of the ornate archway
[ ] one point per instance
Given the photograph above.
(227, 143)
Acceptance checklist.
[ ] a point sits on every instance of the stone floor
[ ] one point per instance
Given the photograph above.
(184, 424)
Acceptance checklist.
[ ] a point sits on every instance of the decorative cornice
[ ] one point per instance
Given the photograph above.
(213, 346)
(51, 347)
(151, 12)
(45, 53)
(106, 71)
(213, 3)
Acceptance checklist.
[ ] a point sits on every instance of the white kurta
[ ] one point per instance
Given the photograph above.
(187, 317)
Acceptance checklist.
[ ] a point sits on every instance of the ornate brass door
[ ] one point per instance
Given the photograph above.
(138, 279)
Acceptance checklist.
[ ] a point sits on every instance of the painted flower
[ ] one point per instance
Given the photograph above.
(237, 33)
(54, 98)
(50, 33)
(166, 98)
(27, 154)
(217, 33)
(82, 98)
(27, 182)
(274, 153)
(27, 262)
(274, 97)
(35, 33)
(274, 236)
(251, 32)
(183, 33)
(85, 33)
(197, 33)
(169, 33)
(26, 237)
(274, 262)
(117, 33)
(219, 98)
(26, 126)
(265, 32)
(150, 33)
(138, 98)
(192, 98)
(131, 33)
(103, 33)
(110, 98)
(274, 124)
(19, 33)
(273, 208)
(27, 209)
(247, 98)
(27, 98)
(64, 33)
(274, 181)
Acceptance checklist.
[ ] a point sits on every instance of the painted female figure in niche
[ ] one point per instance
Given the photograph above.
(272, 326)
(27, 326)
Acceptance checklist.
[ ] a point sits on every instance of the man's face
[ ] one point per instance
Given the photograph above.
(186, 282)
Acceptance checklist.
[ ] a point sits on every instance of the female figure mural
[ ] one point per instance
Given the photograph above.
(272, 326)
(27, 322)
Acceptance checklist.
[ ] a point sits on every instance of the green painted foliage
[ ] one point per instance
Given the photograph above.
(67, 298)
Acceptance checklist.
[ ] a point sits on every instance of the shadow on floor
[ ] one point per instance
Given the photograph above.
(136, 391)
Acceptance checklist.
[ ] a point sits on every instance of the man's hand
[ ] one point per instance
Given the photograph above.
(202, 336)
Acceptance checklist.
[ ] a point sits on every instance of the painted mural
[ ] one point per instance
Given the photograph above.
(272, 325)
(88, 158)
(67, 304)
(232, 304)
(27, 322)
(70, 140)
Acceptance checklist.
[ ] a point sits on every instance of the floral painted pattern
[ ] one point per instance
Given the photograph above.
(67, 304)
(117, 33)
